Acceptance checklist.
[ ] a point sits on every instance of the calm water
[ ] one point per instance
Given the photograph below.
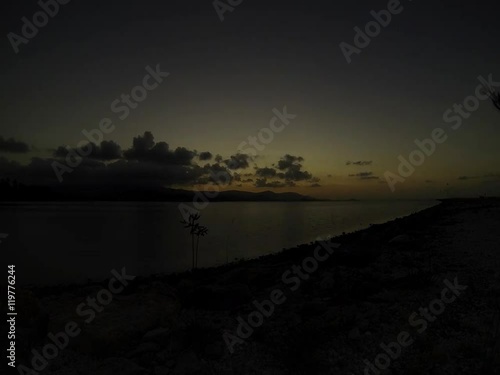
(66, 242)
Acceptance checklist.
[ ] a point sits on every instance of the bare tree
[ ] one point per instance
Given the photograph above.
(494, 96)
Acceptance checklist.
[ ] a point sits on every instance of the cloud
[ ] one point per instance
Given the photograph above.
(464, 178)
(108, 150)
(287, 172)
(265, 172)
(145, 164)
(364, 176)
(293, 169)
(360, 163)
(215, 174)
(155, 164)
(205, 156)
(12, 146)
(238, 161)
(263, 183)
(288, 161)
(486, 176)
(145, 149)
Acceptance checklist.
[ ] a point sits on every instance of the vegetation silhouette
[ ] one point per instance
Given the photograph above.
(494, 96)
(196, 231)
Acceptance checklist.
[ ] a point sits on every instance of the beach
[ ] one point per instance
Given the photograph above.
(416, 295)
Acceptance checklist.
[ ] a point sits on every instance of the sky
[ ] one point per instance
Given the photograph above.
(227, 80)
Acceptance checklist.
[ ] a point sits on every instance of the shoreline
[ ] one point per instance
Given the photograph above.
(341, 315)
(230, 265)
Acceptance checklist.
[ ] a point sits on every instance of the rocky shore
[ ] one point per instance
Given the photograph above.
(438, 269)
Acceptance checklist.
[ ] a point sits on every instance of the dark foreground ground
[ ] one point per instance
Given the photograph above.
(430, 281)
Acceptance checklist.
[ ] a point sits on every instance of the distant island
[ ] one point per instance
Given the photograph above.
(24, 193)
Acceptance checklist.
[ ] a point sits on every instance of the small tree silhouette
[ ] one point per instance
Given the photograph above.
(494, 96)
(196, 231)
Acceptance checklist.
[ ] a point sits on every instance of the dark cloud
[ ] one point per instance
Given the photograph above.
(144, 148)
(288, 169)
(204, 156)
(295, 174)
(147, 164)
(216, 174)
(238, 161)
(364, 176)
(150, 163)
(108, 150)
(360, 163)
(12, 146)
(288, 161)
(92, 172)
(292, 169)
(265, 172)
(486, 176)
(263, 183)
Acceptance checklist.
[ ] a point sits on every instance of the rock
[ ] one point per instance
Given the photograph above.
(161, 370)
(401, 239)
(354, 334)
(143, 348)
(215, 350)
(120, 366)
(173, 347)
(188, 364)
(327, 282)
(313, 308)
(216, 297)
(124, 321)
(157, 335)
(364, 325)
